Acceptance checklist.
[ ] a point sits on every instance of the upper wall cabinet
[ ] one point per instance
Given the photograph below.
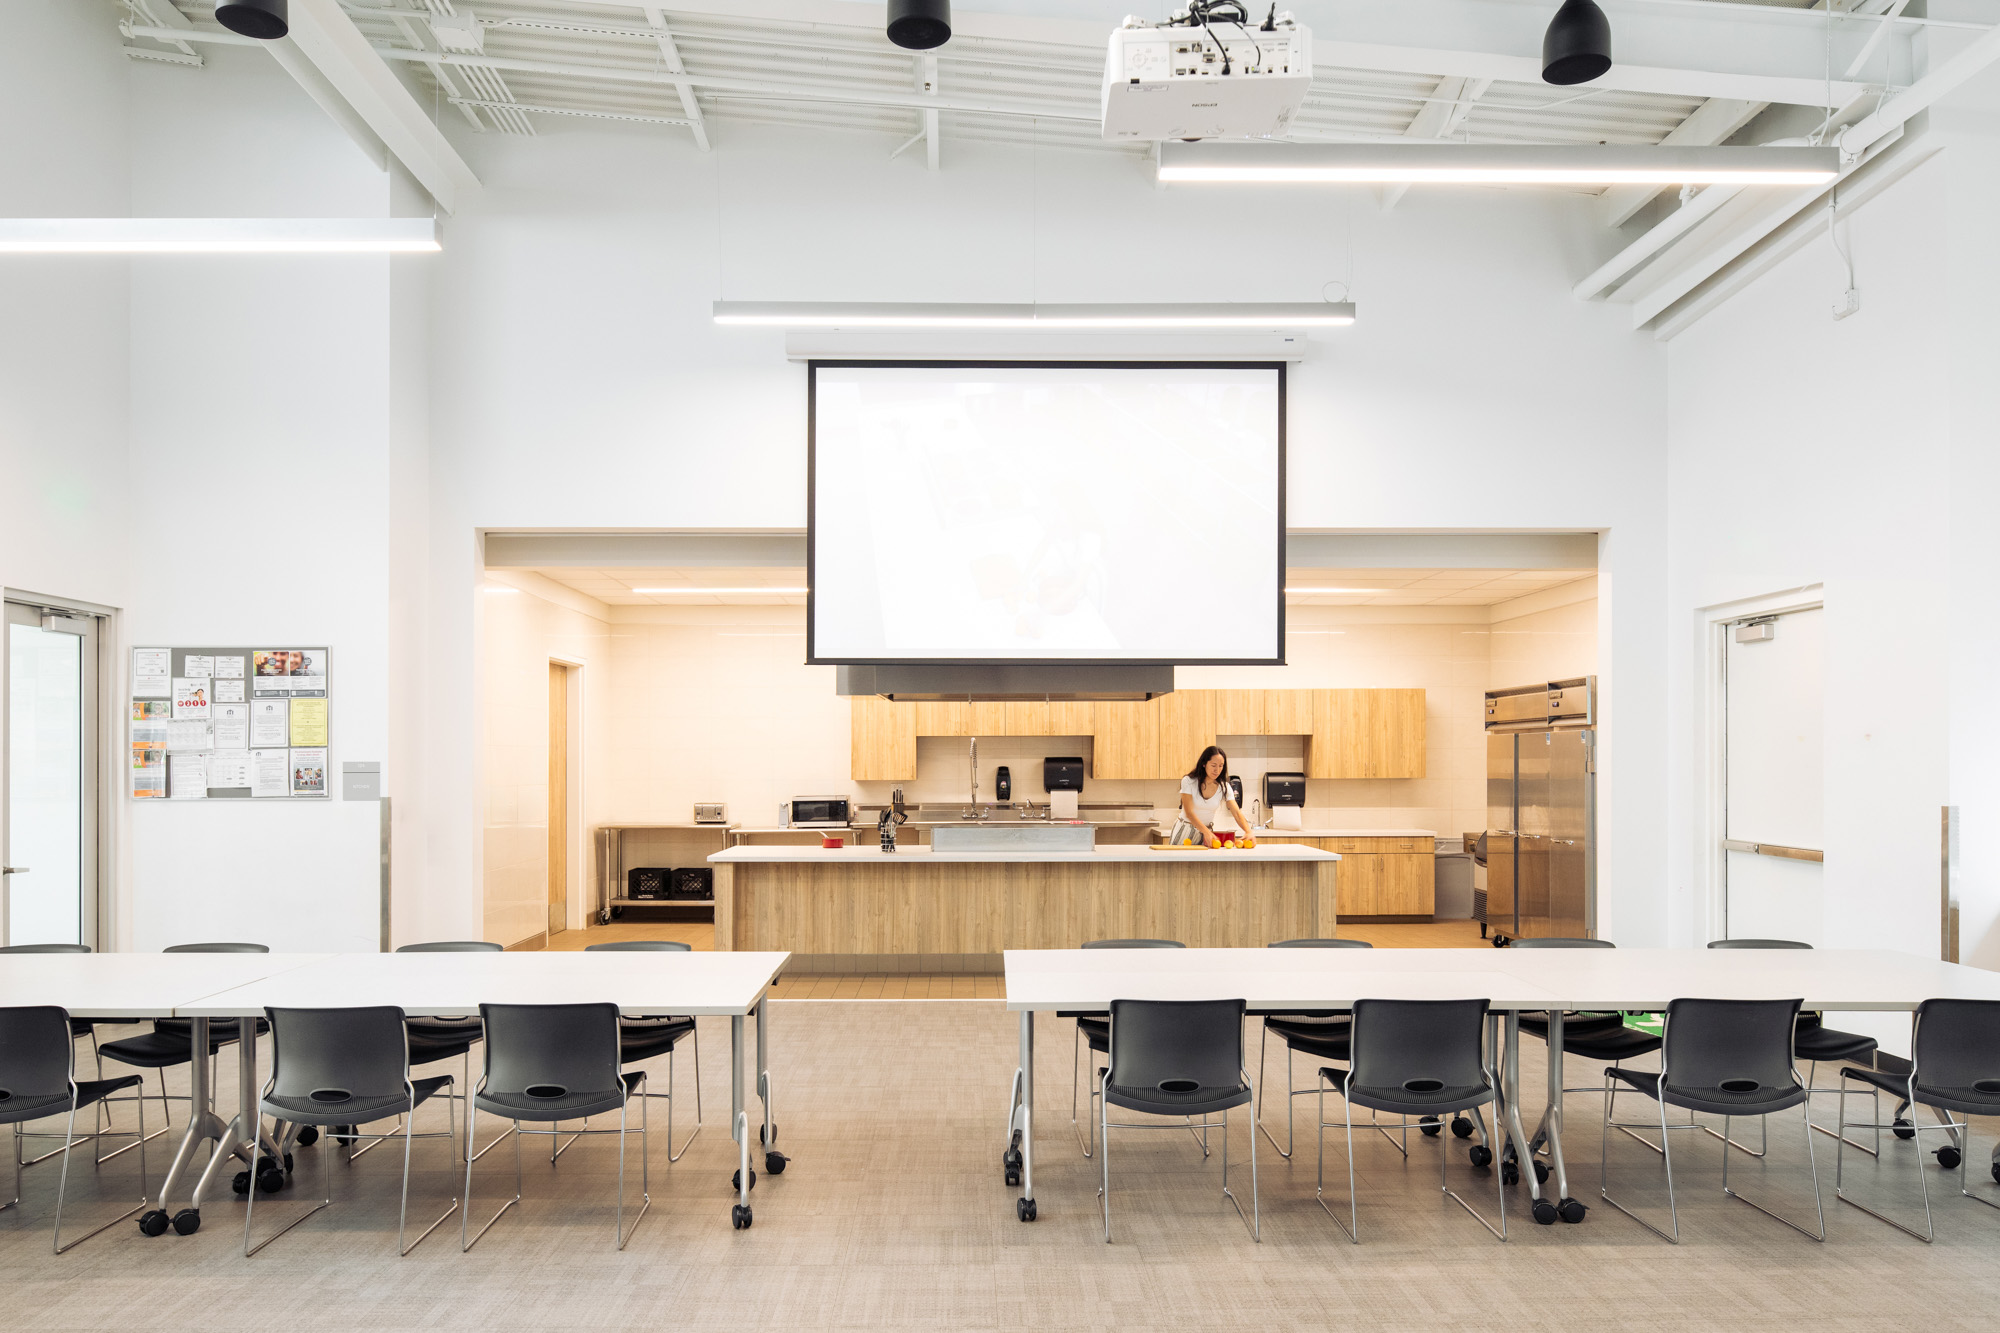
(883, 740)
(1367, 734)
(960, 719)
(1047, 719)
(1187, 725)
(1126, 740)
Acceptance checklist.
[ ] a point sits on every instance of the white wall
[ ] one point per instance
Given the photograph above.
(1549, 635)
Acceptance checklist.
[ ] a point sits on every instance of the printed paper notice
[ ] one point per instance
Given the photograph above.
(309, 772)
(232, 732)
(187, 737)
(190, 697)
(187, 776)
(273, 668)
(308, 722)
(270, 723)
(149, 772)
(309, 671)
(229, 771)
(269, 773)
(227, 691)
(152, 672)
(231, 667)
(149, 723)
(196, 667)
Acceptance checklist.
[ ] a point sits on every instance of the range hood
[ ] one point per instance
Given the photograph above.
(993, 684)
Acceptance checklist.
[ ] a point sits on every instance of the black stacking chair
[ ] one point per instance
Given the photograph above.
(1593, 1036)
(171, 1044)
(1410, 1057)
(546, 1063)
(1816, 1043)
(647, 1036)
(1176, 1058)
(78, 1027)
(1095, 1029)
(352, 1067)
(1321, 1034)
(431, 1040)
(1718, 1057)
(1954, 1070)
(38, 1079)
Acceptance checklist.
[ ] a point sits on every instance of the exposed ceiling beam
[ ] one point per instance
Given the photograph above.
(1710, 123)
(330, 40)
(162, 14)
(1439, 118)
(1890, 13)
(670, 55)
(306, 74)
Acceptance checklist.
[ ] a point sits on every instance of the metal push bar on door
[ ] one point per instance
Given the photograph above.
(1773, 849)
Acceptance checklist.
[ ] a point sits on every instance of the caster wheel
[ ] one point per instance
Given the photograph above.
(1996, 1173)
(1948, 1158)
(271, 1181)
(306, 1139)
(288, 1164)
(153, 1223)
(1571, 1211)
(187, 1221)
(1480, 1155)
(1541, 1173)
(616, 913)
(1904, 1130)
(1013, 1180)
(1461, 1128)
(739, 1216)
(775, 1162)
(760, 1135)
(1511, 1175)
(1024, 1209)
(1545, 1213)
(1011, 1160)
(1430, 1126)
(241, 1183)
(736, 1179)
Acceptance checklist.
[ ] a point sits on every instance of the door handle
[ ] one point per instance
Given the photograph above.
(13, 870)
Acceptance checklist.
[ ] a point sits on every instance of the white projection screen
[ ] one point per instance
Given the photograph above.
(1024, 513)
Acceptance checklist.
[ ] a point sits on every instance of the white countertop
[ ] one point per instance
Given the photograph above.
(872, 853)
(1346, 833)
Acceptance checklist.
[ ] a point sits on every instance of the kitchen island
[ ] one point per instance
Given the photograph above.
(860, 909)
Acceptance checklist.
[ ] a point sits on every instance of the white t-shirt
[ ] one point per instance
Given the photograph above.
(1208, 807)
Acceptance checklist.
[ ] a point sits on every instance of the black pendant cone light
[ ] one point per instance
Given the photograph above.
(1577, 46)
(266, 20)
(919, 25)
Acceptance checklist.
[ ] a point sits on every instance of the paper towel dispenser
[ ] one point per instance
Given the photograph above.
(1062, 774)
(1281, 789)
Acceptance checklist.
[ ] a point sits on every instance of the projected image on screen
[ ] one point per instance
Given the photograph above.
(1023, 513)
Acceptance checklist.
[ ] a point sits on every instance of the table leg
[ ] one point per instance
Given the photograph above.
(204, 1125)
(1566, 1206)
(769, 1138)
(739, 1125)
(1021, 1121)
(1510, 1096)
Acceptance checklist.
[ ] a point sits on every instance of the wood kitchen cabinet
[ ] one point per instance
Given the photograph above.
(1379, 876)
(1127, 743)
(1287, 712)
(1239, 712)
(883, 740)
(1187, 725)
(1367, 734)
(961, 719)
(1048, 719)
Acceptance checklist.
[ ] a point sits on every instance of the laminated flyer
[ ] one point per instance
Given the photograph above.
(190, 697)
(149, 772)
(309, 772)
(308, 722)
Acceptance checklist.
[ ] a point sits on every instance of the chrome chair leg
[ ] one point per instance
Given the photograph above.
(1667, 1159)
(465, 1243)
(1352, 1224)
(62, 1188)
(1805, 1111)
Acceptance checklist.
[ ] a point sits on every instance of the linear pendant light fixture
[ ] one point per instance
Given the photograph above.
(953, 315)
(1496, 164)
(214, 236)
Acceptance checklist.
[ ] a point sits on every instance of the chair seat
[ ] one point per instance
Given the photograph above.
(569, 1106)
(1537, 1024)
(1161, 1101)
(443, 1029)
(1409, 1101)
(1326, 1039)
(1819, 1043)
(355, 1110)
(1761, 1100)
(225, 1028)
(644, 1038)
(160, 1050)
(1096, 1032)
(1962, 1100)
(425, 1050)
(1610, 1044)
(82, 1027)
(16, 1110)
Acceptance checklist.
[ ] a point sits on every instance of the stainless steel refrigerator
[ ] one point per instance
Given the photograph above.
(1541, 810)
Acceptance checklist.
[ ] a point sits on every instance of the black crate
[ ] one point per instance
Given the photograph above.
(648, 882)
(692, 884)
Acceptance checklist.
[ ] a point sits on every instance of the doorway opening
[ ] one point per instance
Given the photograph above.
(51, 796)
(558, 800)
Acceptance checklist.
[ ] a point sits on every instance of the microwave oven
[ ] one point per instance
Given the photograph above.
(820, 811)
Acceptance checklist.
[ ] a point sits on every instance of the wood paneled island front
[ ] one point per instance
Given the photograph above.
(860, 909)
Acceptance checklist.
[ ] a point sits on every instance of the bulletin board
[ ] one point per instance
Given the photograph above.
(223, 724)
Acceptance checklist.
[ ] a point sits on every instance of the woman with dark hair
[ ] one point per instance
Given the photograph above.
(1204, 799)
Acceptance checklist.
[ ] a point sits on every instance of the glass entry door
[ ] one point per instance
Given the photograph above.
(48, 779)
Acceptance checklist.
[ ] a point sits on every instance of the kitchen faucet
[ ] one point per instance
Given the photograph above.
(972, 811)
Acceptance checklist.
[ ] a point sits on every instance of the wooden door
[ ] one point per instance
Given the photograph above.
(1360, 882)
(882, 739)
(558, 798)
(1367, 734)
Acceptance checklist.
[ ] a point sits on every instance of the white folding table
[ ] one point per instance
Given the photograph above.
(455, 984)
(127, 987)
(1291, 980)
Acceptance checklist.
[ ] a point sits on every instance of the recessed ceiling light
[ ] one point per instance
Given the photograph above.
(718, 592)
(1369, 591)
(212, 236)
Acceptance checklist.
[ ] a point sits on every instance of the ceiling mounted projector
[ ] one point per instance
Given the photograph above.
(1192, 79)
(919, 25)
(266, 20)
(1577, 46)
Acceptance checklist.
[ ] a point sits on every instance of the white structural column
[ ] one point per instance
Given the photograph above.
(1439, 118)
(670, 55)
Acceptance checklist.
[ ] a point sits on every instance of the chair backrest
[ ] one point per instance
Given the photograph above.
(1957, 1045)
(638, 946)
(224, 947)
(453, 946)
(337, 1055)
(1758, 944)
(1715, 1043)
(534, 1047)
(35, 1052)
(1562, 942)
(1133, 944)
(1177, 1045)
(46, 948)
(1319, 944)
(1402, 1043)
